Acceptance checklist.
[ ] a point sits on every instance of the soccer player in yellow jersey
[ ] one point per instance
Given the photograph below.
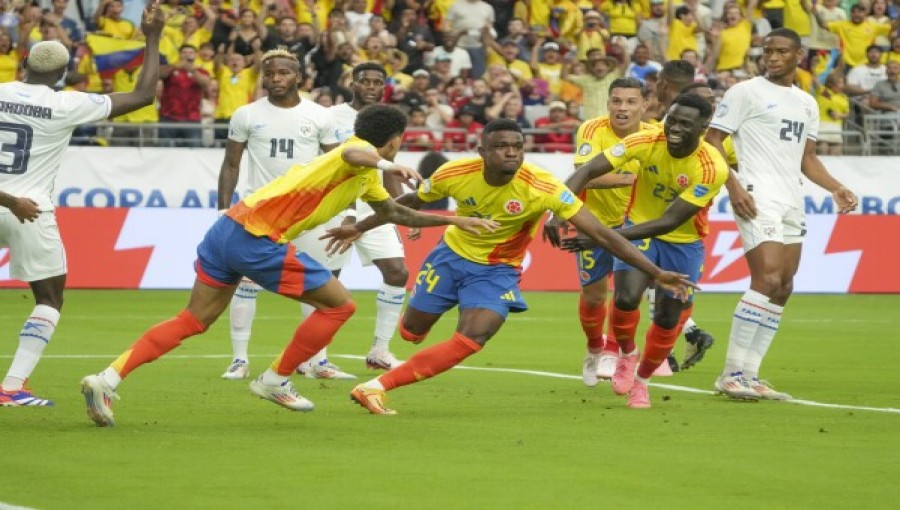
(481, 274)
(253, 239)
(627, 103)
(667, 219)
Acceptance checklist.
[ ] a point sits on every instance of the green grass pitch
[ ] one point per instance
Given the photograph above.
(466, 439)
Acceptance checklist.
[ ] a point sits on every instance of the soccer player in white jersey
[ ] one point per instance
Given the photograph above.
(773, 125)
(277, 131)
(36, 124)
(380, 246)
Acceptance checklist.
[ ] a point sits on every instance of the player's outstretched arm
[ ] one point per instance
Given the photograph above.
(676, 214)
(361, 157)
(628, 253)
(610, 181)
(24, 209)
(595, 168)
(230, 172)
(152, 23)
(815, 171)
(742, 202)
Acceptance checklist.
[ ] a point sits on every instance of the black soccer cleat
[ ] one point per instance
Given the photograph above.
(698, 342)
(673, 363)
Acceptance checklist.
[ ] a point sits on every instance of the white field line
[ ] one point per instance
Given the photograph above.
(7, 506)
(537, 373)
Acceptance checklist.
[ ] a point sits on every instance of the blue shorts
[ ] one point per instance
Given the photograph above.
(229, 252)
(593, 265)
(446, 279)
(686, 258)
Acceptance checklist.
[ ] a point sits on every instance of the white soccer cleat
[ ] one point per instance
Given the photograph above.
(606, 367)
(239, 369)
(282, 394)
(766, 391)
(382, 360)
(325, 370)
(736, 386)
(98, 396)
(589, 369)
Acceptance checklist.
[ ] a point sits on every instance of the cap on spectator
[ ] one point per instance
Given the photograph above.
(551, 46)
(442, 58)
(654, 2)
(47, 56)
(508, 42)
(467, 110)
(420, 72)
(557, 104)
(595, 14)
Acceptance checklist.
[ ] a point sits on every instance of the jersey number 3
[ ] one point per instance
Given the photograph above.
(791, 130)
(15, 148)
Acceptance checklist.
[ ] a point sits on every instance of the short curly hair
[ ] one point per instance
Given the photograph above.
(379, 123)
(47, 56)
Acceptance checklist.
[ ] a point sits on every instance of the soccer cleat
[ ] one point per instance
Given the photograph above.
(606, 367)
(282, 394)
(239, 369)
(639, 396)
(382, 360)
(673, 363)
(325, 370)
(98, 396)
(623, 379)
(372, 399)
(698, 342)
(766, 391)
(22, 397)
(735, 385)
(589, 370)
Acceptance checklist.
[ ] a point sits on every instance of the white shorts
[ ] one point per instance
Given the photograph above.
(35, 249)
(376, 244)
(775, 222)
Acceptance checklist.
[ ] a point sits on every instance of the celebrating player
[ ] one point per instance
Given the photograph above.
(667, 219)
(481, 274)
(37, 123)
(774, 126)
(253, 239)
(278, 131)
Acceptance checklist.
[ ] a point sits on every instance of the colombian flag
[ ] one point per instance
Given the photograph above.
(112, 54)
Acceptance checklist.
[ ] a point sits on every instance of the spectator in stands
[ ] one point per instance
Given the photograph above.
(373, 50)
(330, 59)
(894, 53)
(593, 36)
(48, 30)
(641, 65)
(413, 39)
(226, 20)
(190, 31)
(462, 132)
(517, 32)
(418, 136)
(206, 58)
(9, 20)
(506, 54)
(108, 19)
(562, 125)
(358, 20)
(731, 40)
(440, 73)
(460, 63)
(510, 107)
(378, 27)
(428, 165)
(548, 66)
(773, 11)
(236, 77)
(704, 17)
(862, 78)
(9, 58)
(798, 19)
(468, 18)
(886, 94)
(856, 34)
(287, 36)
(536, 92)
(878, 15)
(58, 15)
(700, 72)
(834, 107)
(182, 95)
(682, 29)
(438, 114)
(249, 33)
(601, 71)
(623, 17)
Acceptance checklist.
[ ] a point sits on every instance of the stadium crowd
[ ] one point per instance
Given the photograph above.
(454, 65)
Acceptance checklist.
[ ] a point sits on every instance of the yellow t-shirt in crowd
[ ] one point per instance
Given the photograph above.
(681, 37)
(735, 42)
(856, 37)
(235, 90)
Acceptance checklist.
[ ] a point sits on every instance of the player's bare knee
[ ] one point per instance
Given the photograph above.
(394, 274)
(626, 302)
(411, 333)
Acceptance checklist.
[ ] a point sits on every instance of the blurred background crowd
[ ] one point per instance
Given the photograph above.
(454, 65)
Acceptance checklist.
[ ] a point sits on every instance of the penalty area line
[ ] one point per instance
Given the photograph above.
(535, 373)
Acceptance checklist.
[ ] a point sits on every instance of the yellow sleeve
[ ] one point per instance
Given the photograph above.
(585, 150)
(564, 204)
(435, 187)
(630, 148)
(374, 191)
(700, 193)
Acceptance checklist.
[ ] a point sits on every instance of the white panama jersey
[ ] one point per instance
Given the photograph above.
(770, 125)
(36, 124)
(278, 138)
(344, 117)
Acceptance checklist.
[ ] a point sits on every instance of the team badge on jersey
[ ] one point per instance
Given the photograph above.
(513, 206)
(722, 110)
(306, 131)
(97, 98)
(682, 180)
(618, 150)
(567, 197)
(584, 149)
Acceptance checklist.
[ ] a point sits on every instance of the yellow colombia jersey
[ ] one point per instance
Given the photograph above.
(608, 205)
(696, 179)
(517, 206)
(308, 195)
(730, 155)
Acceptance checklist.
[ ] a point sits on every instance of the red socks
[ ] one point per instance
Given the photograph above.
(659, 344)
(592, 317)
(431, 361)
(311, 336)
(157, 341)
(623, 325)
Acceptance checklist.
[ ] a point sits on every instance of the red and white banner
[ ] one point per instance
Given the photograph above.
(153, 248)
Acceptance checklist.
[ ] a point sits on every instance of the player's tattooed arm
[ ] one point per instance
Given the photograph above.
(24, 209)
(610, 181)
(593, 169)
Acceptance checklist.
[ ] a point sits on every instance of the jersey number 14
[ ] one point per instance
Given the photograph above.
(285, 145)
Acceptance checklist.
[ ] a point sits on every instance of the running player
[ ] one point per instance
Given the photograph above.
(277, 131)
(667, 219)
(774, 126)
(481, 274)
(253, 239)
(36, 124)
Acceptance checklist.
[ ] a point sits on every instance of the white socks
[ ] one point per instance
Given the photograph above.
(388, 306)
(35, 335)
(747, 316)
(768, 326)
(243, 310)
(111, 377)
(270, 378)
(689, 325)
